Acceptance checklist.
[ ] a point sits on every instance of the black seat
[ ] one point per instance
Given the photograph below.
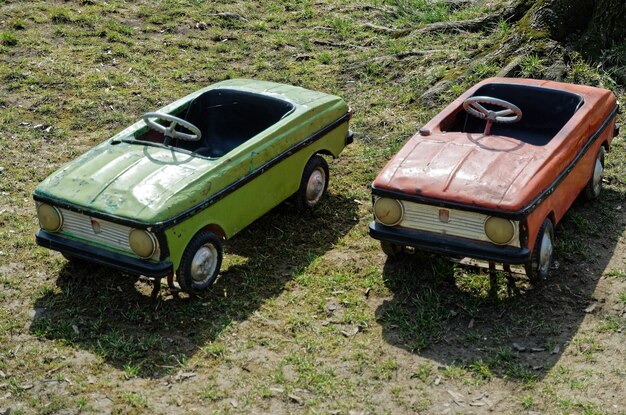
(228, 118)
(544, 112)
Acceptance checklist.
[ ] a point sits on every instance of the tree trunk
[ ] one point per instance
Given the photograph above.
(558, 18)
(601, 21)
(607, 27)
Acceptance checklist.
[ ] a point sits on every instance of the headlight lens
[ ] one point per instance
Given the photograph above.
(500, 231)
(388, 211)
(143, 243)
(50, 218)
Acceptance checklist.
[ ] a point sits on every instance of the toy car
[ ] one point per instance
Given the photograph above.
(162, 195)
(490, 176)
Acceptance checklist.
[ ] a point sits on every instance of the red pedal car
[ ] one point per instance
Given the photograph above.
(492, 174)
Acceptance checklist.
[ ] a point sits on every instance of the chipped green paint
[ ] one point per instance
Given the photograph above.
(157, 187)
(242, 207)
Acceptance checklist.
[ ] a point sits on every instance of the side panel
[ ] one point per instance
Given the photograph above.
(559, 202)
(243, 206)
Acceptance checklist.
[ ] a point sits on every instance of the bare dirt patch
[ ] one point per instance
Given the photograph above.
(308, 315)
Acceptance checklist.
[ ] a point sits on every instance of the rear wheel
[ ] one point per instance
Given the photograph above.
(200, 263)
(313, 184)
(538, 269)
(594, 185)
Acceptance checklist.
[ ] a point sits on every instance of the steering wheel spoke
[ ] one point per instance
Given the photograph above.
(481, 110)
(509, 114)
(170, 130)
(503, 113)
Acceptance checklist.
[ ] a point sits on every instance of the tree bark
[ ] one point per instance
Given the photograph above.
(600, 21)
(558, 18)
(607, 27)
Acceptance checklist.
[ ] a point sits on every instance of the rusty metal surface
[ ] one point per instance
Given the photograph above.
(494, 171)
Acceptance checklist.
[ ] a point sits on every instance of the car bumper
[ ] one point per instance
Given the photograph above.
(450, 246)
(101, 256)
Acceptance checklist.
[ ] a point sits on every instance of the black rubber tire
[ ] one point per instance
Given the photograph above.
(393, 251)
(590, 192)
(315, 163)
(184, 275)
(535, 273)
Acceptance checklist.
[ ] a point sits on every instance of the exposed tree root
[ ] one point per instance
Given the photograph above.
(472, 25)
(388, 31)
(512, 67)
(338, 45)
(429, 98)
(513, 11)
(510, 57)
(522, 42)
(396, 56)
(458, 4)
(537, 26)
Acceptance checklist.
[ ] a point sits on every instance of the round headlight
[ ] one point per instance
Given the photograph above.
(388, 211)
(50, 218)
(500, 231)
(143, 243)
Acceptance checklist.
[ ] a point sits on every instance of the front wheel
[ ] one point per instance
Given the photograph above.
(538, 269)
(200, 263)
(393, 251)
(77, 264)
(313, 184)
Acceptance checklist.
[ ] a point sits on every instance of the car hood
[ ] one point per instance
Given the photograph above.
(143, 183)
(473, 169)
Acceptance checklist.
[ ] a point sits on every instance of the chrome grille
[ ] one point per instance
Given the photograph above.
(80, 226)
(460, 223)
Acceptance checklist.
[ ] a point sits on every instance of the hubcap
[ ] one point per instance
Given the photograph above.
(315, 185)
(598, 173)
(546, 252)
(204, 263)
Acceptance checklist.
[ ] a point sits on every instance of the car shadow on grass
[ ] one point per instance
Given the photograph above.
(113, 316)
(449, 313)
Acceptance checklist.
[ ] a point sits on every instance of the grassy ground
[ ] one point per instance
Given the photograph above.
(308, 315)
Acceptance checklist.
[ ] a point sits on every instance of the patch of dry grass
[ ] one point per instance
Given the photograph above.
(308, 316)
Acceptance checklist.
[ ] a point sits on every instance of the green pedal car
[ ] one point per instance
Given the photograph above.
(161, 196)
